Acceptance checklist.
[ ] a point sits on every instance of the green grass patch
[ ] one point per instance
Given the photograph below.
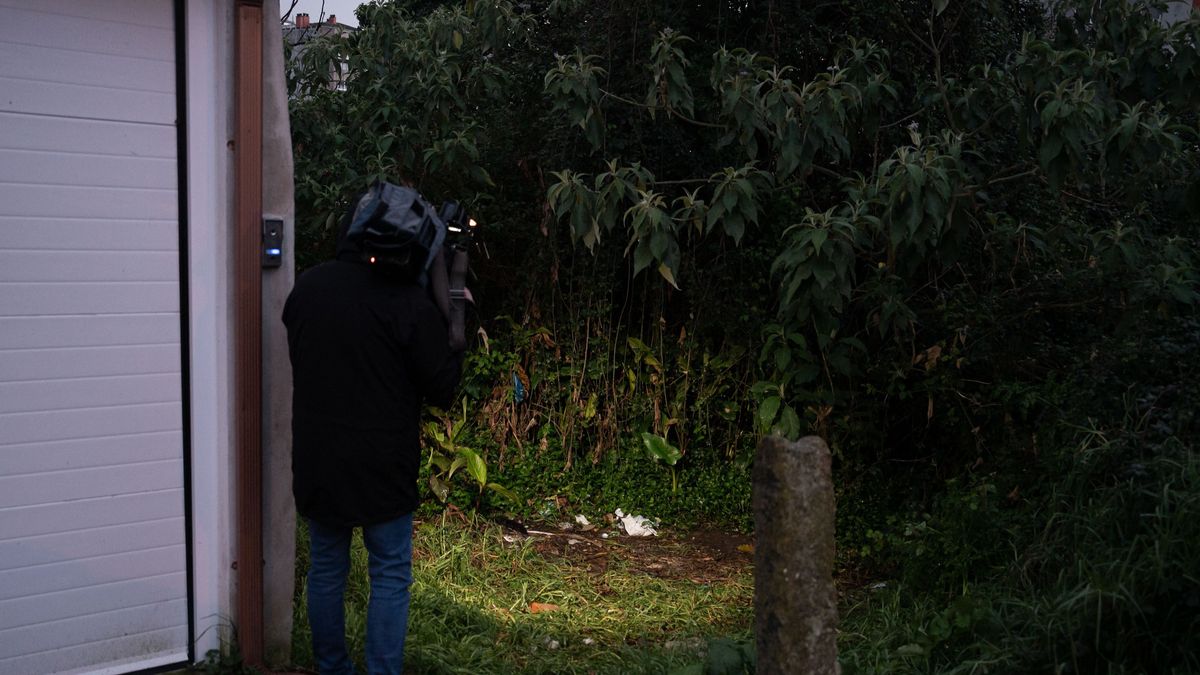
(471, 598)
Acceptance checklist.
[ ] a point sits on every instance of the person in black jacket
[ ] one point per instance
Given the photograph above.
(367, 349)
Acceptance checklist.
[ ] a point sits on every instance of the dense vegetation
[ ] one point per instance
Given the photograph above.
(957, 240)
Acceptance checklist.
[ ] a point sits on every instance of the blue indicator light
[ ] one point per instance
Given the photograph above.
(274, 251)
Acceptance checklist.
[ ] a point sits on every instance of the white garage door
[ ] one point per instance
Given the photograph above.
(92, 530)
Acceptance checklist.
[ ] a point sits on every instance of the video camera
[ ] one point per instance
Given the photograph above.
(400, 233)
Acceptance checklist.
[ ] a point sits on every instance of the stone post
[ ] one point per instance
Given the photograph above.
(795, 604)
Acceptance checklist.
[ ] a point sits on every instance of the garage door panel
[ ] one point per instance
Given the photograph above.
(128, 12)
(98, 70)
(95, 422)
(89, 202)
(38, 332)
(100, 297)
(124, 235)
(70, 169)
(113, 654)
(107, 625)
(73, 393)
(65, 486)
(87, 137)
(82, 453)
(27, 266)
(114, 34)
(90, 543)
(74, 100)
(33, 581)
(29, 611)
(56, 364)
(104, 511)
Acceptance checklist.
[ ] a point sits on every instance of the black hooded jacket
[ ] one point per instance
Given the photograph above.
(366, 351)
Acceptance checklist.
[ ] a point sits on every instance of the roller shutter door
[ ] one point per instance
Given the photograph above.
(93, 573)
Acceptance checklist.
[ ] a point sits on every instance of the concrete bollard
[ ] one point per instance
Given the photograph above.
(795, 604)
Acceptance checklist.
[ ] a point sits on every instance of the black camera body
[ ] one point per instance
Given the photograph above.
(400, 234)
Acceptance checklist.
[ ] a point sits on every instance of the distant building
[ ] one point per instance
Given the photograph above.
(301, 33)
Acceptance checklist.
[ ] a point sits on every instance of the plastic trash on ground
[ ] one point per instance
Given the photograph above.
(636, 526)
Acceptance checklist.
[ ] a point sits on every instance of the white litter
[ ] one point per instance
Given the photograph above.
(589, 641)
(636, 526)
(582, 519)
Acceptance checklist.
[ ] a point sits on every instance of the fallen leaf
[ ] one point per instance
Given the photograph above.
(539, 607)
(746, 548)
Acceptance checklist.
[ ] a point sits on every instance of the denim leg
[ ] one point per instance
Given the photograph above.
(329, 553)
(389, 546)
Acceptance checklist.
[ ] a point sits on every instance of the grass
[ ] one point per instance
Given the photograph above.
(470, 610)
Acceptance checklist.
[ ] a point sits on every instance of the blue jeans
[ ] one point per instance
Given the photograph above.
(389, 549)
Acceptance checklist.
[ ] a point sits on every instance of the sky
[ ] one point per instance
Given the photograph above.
(343, 9)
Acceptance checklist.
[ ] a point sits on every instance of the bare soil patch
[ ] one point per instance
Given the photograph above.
(702, 556)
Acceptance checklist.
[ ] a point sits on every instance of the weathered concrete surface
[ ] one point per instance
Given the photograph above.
(279, 509)
(795, 605)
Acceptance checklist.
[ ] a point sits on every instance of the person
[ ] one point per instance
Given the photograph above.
(368, 347)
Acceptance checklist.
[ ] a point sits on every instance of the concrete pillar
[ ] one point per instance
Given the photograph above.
(795, 604)
(279, 510)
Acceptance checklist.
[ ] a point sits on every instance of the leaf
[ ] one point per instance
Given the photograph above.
(818, 239)
(440, 489)
(458, 40)
(766, 412)
(440, 461)
(642, 256)
(668, 275)
(476, 467)
(790, 422)
(541, 607)
(455, 466)
(504, 492)
(660, 449)
(1050, 149)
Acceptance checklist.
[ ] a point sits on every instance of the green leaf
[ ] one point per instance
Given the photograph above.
(504, 492)
(454, 466)
(476, 467)
(818, 239)
(440, 490)
(1050, 149)
(766, 412)
(659, 449)
(642, 256)
(789, 422)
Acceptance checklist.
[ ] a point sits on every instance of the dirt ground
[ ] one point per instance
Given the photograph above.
(701, 556)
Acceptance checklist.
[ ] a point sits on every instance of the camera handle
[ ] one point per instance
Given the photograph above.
(447, 285)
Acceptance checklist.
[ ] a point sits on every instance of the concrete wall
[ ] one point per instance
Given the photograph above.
(279, 510)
